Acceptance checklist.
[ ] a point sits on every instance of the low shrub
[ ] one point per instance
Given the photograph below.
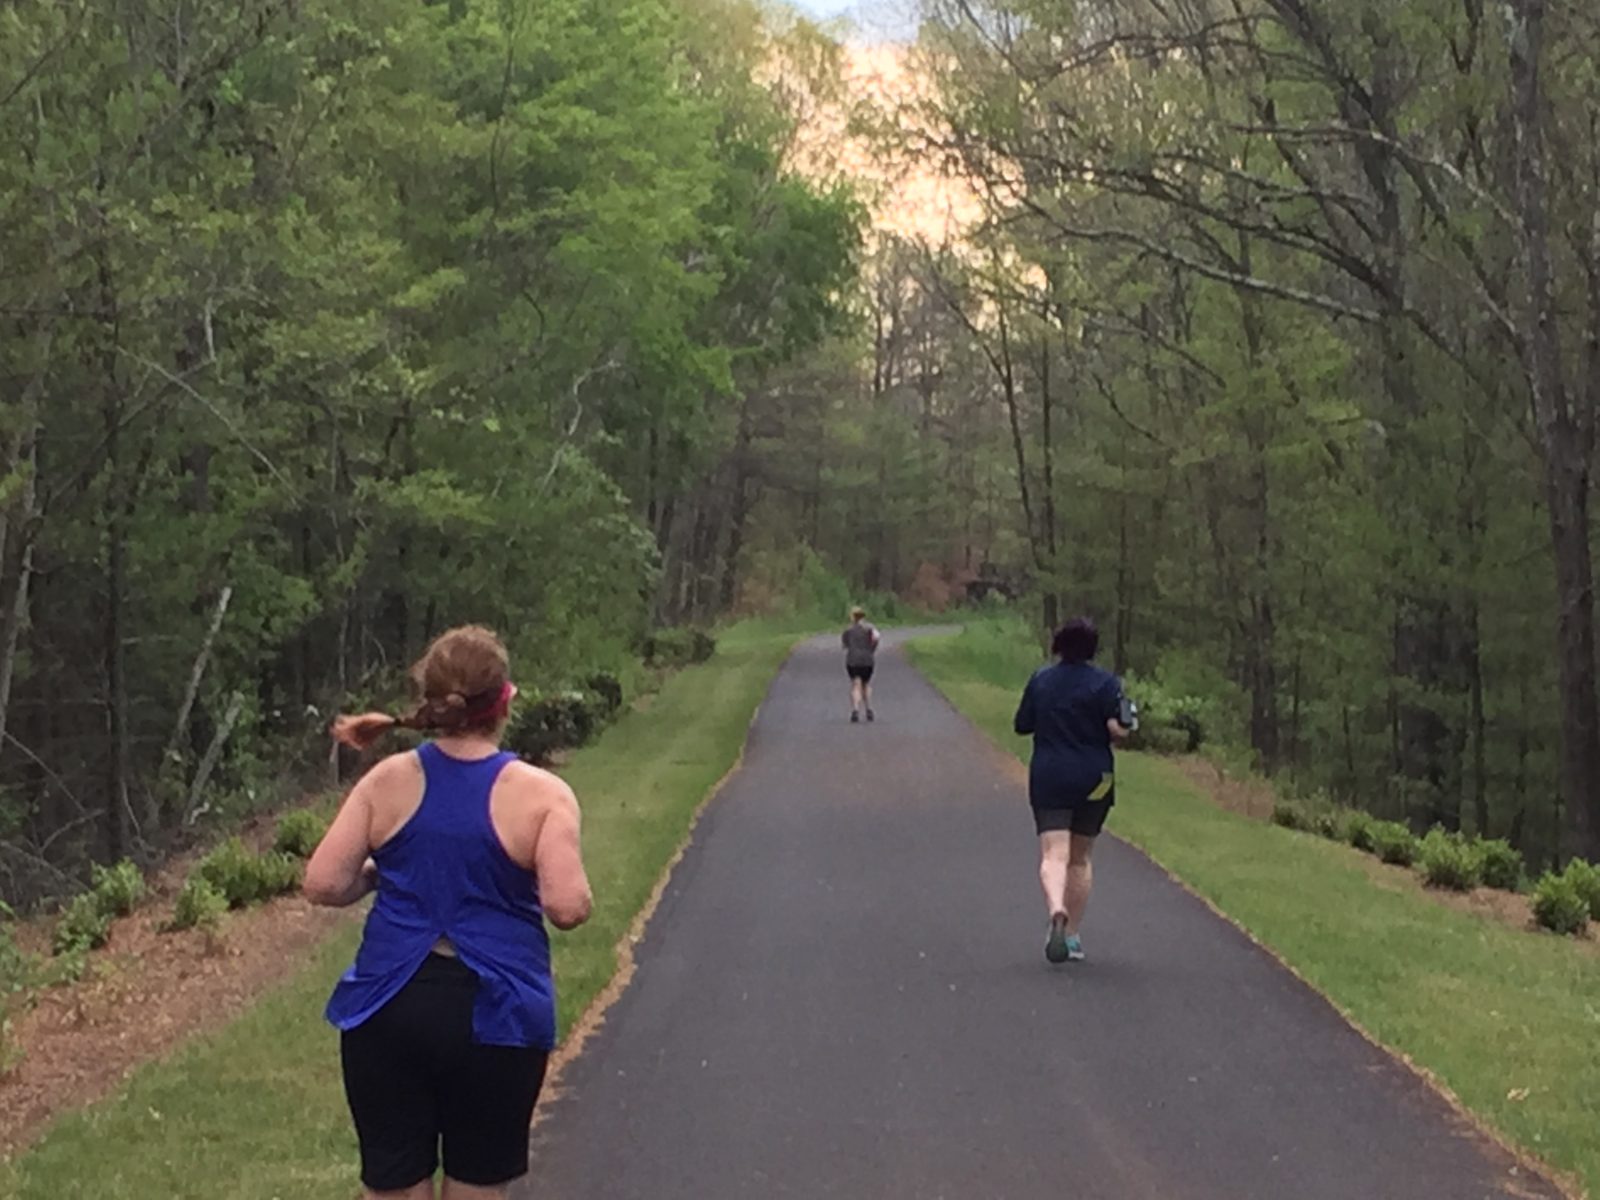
(1291, 814)
(677, 647)
(1357, 828)
(84, 926)
(1559, 904)
(1586, 878)
(245, 878)
(200, 906)
(16, 976)
(118, 889)
(67, 967)
(1180, 718)
(1502, 864)
(1449, 861)
(606, 688)
(1162, 739)
(16, 965)
(299, 831)
(1328, 822)
(11, 1054)
(1394, 843)
(559, 721)
(280, 874)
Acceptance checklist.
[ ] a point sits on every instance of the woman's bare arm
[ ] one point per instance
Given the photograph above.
(558, 859)
(341, 870)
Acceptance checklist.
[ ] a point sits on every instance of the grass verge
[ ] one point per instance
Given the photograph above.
(256, 1112)
(1506, 1020)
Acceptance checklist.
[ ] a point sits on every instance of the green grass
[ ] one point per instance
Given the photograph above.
(1488, 1009)
(255, 1111)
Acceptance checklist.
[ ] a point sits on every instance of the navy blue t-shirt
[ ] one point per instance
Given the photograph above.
(1066, 707)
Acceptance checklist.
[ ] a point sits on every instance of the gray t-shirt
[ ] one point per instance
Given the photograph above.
(860, 644)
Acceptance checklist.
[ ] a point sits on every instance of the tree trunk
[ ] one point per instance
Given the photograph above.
(1566, 439)
(738, 510)
(118, 834)
(1480, 725)
(16, 604)
(1124, 630)
(1047, 455)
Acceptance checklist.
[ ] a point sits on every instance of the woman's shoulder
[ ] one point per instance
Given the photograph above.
(536, 783)
(391, 768)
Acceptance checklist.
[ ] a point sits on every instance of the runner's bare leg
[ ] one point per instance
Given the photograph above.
(1054, 851)
(1080, 880)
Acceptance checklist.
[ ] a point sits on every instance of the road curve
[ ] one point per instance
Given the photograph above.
(843, 994)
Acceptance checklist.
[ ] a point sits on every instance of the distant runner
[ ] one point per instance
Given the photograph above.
(1074, 711)
(860, 651)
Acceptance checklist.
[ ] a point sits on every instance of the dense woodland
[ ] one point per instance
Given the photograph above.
(326, 325)
(1276, 346)
(1294, 307)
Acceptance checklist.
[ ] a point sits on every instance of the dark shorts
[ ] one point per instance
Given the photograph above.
(415, 1079)
(862, 673)
(1086, 818)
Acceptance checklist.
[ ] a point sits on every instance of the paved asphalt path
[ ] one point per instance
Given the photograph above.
(844, 994)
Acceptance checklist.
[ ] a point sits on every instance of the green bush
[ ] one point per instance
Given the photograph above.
(200, 906)
(17, 969)
(1180, 720)
(560, 721)
(1357, 828)
(1394, 843)
(280, 874)
(11, 1054)
(1291, 814)
(1328, 822)
(67, 967)
(1559, 904)
(1502, 865)
(1162, 739)
(84, 925)
(246, 878)
(1449, 861)
(1586, 878)
(118, 889)
(231, 870)
(299, 832)
(678, 647)
(606, 688)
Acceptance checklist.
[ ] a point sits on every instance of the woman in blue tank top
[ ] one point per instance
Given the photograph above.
(447, 1015)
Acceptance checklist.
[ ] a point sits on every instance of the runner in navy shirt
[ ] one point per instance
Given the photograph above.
(1073, 709)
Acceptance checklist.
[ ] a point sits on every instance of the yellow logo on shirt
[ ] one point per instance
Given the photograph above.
(1104, 790)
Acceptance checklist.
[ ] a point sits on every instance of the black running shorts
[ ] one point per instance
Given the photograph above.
(417, 1081)
(862, 673)
(1086, 818)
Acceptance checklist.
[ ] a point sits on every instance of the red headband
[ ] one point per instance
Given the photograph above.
(492, 705)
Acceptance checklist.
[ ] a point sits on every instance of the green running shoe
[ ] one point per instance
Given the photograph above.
(1057, 949)
(1074, 949)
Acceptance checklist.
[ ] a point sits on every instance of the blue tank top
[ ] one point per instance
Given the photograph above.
(445, 874)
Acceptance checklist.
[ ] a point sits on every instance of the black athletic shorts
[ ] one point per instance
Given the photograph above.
(415, 1079)
(1086, 818)
(862, 673)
